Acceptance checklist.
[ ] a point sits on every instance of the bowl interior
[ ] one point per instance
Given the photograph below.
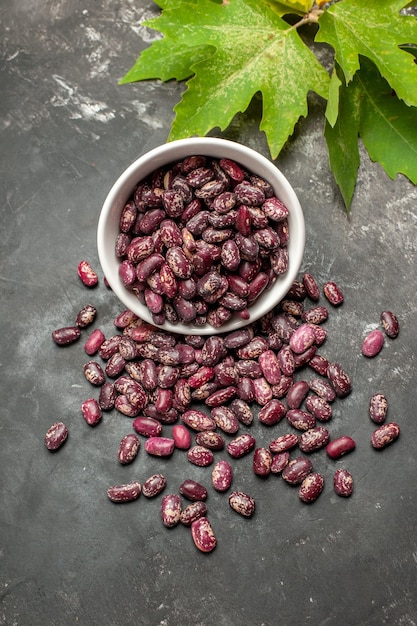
(108, 225)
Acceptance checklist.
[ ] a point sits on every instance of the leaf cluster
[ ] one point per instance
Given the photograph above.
(229, 51)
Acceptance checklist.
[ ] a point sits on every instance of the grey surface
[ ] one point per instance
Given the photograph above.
(67, 555)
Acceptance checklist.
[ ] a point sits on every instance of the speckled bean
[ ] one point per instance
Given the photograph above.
(297, 470)
(203, 535)
(124, 493)
(55, 436)
(311, 487)
(378, 408)
(128, 449)
(343, 483)
(192, 512)
(385, 435)
(200, 456)
(171, 510)
(154, 485)
(390, 324)
(242, 503)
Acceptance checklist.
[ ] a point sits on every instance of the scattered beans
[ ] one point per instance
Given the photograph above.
(55, 436)
(158, 375)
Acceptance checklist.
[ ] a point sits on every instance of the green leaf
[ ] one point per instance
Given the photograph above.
(255, 51)
(332, 107)
(388, 127)
(374, 29)
(342, 140)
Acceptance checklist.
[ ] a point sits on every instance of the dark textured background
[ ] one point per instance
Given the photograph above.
(67, 555)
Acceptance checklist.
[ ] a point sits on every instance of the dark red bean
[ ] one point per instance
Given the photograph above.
(340, 446)
(66, 336)
(390, 324)
(297, 470)
(192, 490)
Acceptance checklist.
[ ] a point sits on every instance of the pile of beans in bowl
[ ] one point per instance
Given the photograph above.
(201, 240)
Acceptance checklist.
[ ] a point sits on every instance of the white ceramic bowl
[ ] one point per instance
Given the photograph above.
(108, 225)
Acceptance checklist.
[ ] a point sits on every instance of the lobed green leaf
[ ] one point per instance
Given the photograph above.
(376, 30)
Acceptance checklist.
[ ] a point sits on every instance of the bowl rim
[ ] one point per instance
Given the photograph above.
(176, 150)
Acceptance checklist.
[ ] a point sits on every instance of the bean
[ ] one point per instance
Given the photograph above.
(86, 316)
(313, 439)
(86, 273)
(385, 435)
(225, 419)
(222, 476)
(94, 373)
(107, 396)
(242, 503)
(181, 436)
(171, 510)
(154, 485)
(91, 411)
(284, 443)
(192, 512)
(296, 394)
(262, 460)
(333, 293)
(94, 342)
(209, 439)
(343, 483)
(311, 487)
(128, 449)
(339, 380)
(160, 446)
(297, 470)
(378, 408)
(241, 445)
(311, 286)
(340, 446)
(373, 343)
(192, 490)
(279, 462)
(56, 436)
(390, 324)
(315, 315)
(301, 420)
(203, 535)
(197, 420)
(272, 412)
(319, 407)
(199, 455)
(147, 426)
(124, 493)
(66, 335)
(323, 389)
(302, 338)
